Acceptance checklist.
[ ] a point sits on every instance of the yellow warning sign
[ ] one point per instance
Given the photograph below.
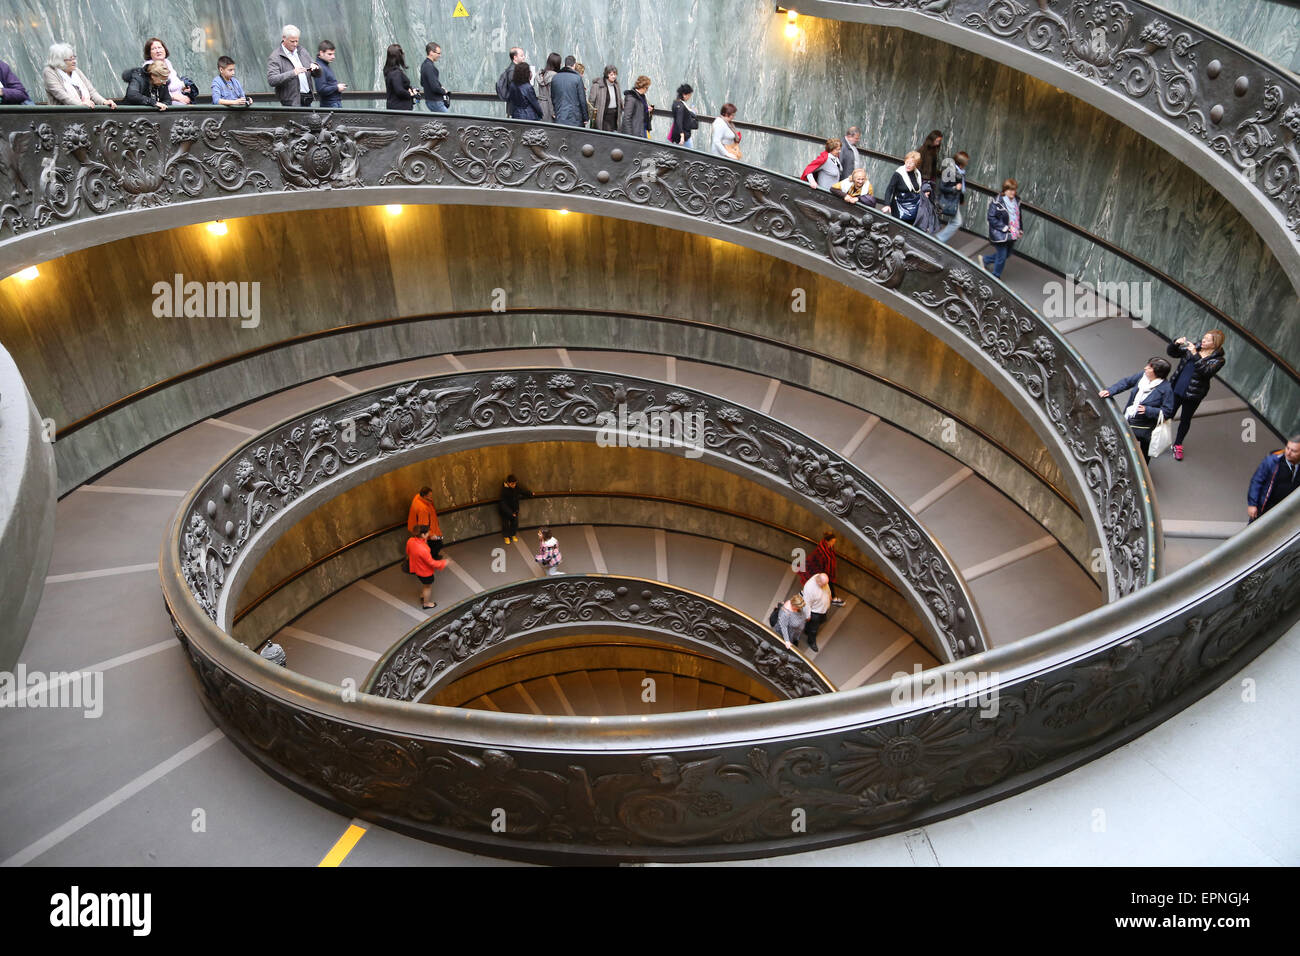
(460, 10)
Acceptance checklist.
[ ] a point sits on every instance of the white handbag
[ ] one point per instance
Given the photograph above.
(1162, 436)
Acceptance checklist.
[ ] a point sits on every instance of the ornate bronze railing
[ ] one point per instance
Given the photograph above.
(230, 518)
(102, 177)
(437, 652)
(753, 781)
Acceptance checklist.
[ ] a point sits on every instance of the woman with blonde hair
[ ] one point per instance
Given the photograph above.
(1192, 380)
(790, 620)
(65, 84)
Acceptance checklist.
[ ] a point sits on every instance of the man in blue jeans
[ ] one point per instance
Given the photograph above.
(433, 90)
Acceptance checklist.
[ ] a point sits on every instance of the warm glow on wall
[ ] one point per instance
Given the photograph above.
(31, 272)
(394, 209)
(218, 228)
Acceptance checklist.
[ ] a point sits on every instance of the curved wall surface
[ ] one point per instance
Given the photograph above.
(79, 312)
(27, 496)
(1069, 156)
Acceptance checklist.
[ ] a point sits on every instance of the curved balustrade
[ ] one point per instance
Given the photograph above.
(857, 764)
(228, 519)
(1229, 114)
(180, 168)
(434, 653)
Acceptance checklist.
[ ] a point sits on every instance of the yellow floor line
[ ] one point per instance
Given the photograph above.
(338, 853)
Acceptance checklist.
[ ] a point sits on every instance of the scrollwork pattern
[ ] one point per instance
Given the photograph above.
(855, 782)
(429, 654)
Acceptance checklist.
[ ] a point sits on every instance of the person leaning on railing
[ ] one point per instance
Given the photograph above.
(1275, 478)
(857, 189)
(1192, 380)
(1150, 397)
(65, 84)
(148, 86)
(155, 51)
(15, 94)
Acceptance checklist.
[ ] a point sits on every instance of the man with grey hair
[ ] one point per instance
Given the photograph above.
(850, 158)
(289, 70)
(1276, 477)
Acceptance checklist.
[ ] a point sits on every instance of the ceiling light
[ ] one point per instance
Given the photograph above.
(31, 272)
(218, 228)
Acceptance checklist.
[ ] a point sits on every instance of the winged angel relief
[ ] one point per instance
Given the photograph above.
(316, 154)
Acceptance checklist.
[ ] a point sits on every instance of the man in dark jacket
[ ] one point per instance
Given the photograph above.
(147, 85)
(511, 494)
(290, 71)
(850, 158)
(568, 99)
(508, 77)
(15, 94)
(327, 85)
(434, 92)
(1275, 478)
(1151, 395)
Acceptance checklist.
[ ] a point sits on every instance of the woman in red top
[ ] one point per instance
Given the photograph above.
(422, 563)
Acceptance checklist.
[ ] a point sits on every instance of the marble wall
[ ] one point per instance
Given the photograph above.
(1269, 27)
(1069, 157)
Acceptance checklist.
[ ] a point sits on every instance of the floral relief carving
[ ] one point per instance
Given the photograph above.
(857, 780)
(426, 656)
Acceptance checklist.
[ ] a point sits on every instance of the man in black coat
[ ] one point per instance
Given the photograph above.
(511, 494)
